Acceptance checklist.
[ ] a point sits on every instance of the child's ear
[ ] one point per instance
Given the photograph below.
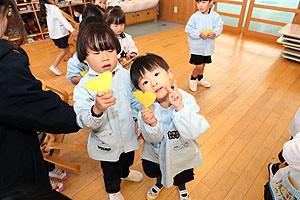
(170, 73)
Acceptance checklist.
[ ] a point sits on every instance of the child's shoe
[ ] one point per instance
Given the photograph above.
(55, 70)
(116, 196)
(204, 83)
(184, 195)
(153, 192)
(57, 186)
(134, 176)
(59, 174)
(193, 85)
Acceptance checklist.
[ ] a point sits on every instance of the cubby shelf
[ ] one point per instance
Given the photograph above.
(33, 9)
(291, 41)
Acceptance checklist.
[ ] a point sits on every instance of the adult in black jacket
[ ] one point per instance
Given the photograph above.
(25, 109)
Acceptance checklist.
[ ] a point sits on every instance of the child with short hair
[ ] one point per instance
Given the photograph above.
(59, 29)
(170, 129)
(91, 13)
(202, 44)
(101, 3)
(110, 115)
(116, 21)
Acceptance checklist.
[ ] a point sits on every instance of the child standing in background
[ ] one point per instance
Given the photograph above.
(59, 29)
(110, 115)
(101, 3)
(202, 44)
(116, 21)
(170, 129)
(91, 13)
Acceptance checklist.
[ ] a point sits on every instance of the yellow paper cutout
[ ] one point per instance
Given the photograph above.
(146, 98)
(100, 84)
(83, 73)
(207, 31)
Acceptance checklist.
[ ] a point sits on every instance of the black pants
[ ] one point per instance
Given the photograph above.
(114, 171)
(267, 192)
(152, 170)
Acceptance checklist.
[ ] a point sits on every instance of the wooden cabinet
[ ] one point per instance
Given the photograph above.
(151, 14)
(141, 16)
(130, 18)
(185, 8)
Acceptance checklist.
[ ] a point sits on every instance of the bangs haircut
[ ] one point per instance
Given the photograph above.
(141, 64)
(115, 15)
(202, 0)
(96, 36)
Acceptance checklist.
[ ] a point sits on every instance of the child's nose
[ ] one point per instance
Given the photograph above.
(104, 55)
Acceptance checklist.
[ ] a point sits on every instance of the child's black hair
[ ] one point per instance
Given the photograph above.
(141, 64)
(93, 10)
(202, 0)
(43, 13)
(78, 9)
(115, 15)
(90, 19)
(96, 36)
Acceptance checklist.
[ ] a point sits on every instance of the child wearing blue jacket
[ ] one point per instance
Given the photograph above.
(110, 115)
(170, 129)
(202, 29)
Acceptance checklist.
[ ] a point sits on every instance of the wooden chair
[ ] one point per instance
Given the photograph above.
(72, 38)
(55, 141)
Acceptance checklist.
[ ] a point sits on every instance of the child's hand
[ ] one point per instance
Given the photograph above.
(211, 35)
(45, 154)
(75, 32)
(122, 60)
(103, 101)
(131, 55)
(175, 97)
(203, 36)
(148, 117)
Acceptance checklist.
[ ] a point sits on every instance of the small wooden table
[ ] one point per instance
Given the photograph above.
(291, 41)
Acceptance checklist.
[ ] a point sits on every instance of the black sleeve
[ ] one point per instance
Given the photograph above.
(24, 105)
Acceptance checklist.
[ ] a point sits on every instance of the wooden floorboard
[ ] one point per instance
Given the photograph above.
(254, 95)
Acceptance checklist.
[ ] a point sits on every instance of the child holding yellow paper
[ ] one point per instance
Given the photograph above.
(202, 29)
(75, 68)
(116, 21)
(110, 114)
(170, 130)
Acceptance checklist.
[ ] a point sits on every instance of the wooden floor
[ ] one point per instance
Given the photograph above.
(254, 95)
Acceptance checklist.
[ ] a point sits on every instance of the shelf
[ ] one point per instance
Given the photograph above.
(292, 30)
(290, 43)
(291, 57)
(76, 4)
(34, 34)
(42, 33)
(24, 4)
(289, 38)
(24, 12)
(291, 47)
(292, 52)
(13, 39)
